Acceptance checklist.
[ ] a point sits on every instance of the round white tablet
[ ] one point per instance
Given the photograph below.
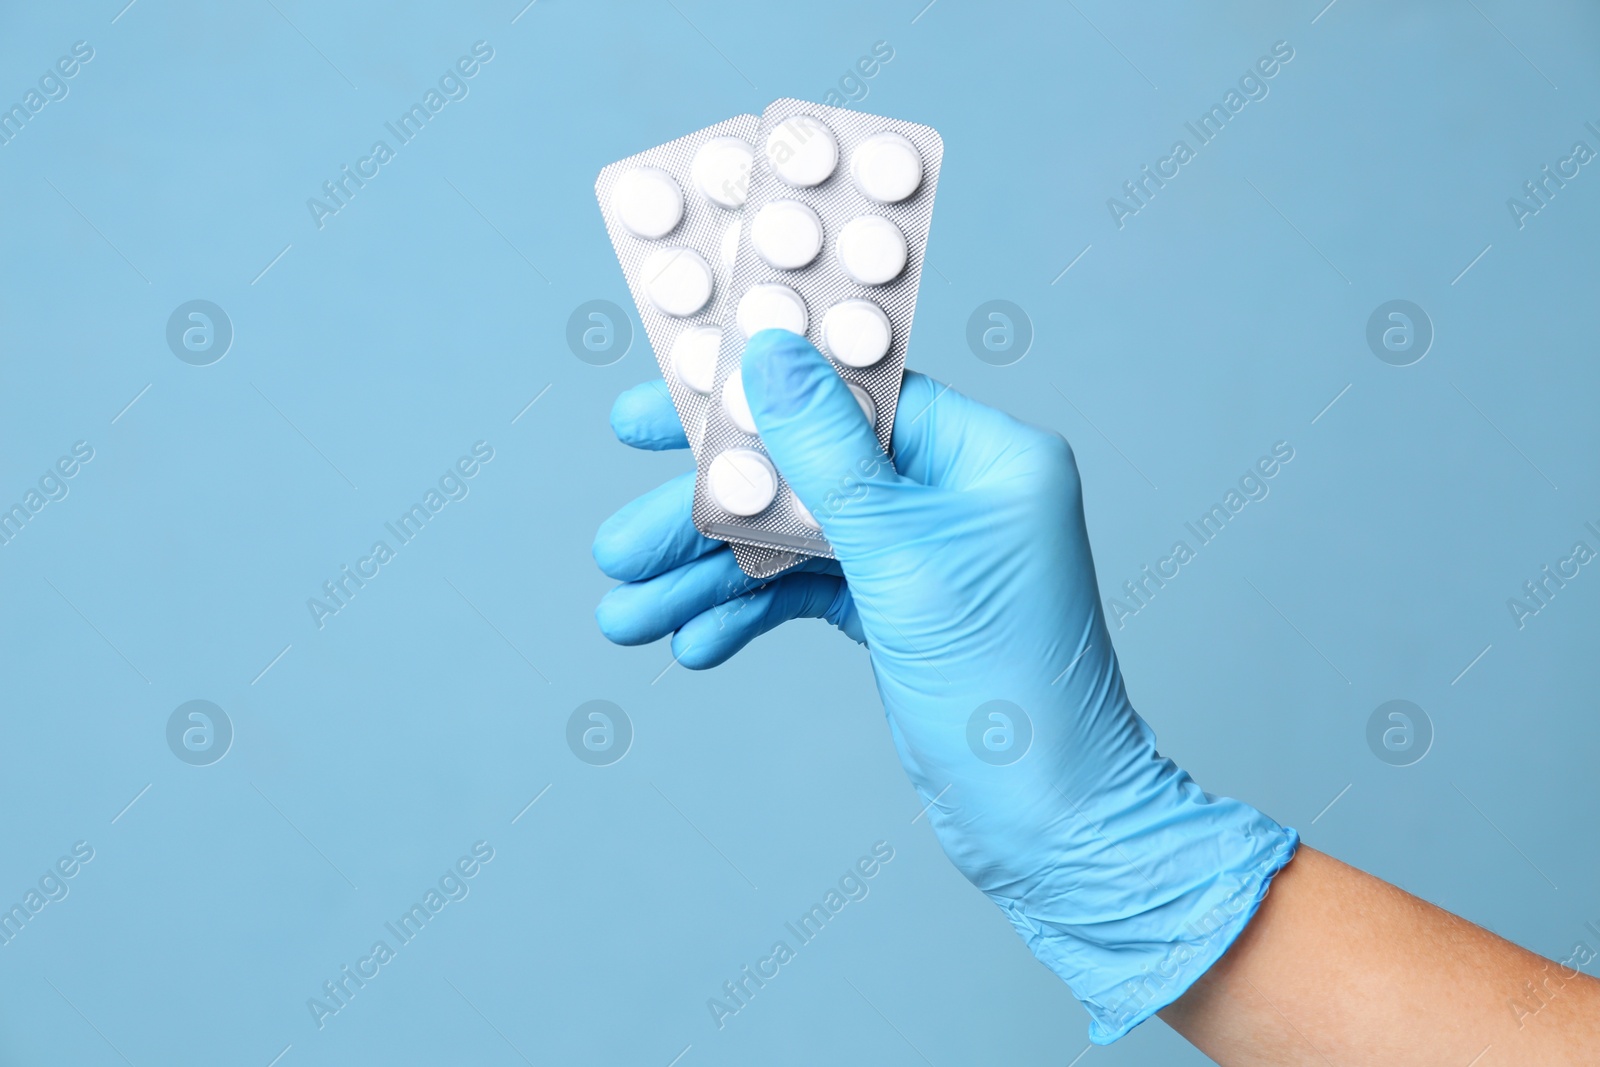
(721, 171)
(872, 250)
(741, 481)
(886, 167)
(694, 357)
(677, 280)
(730, 247)
(802, 512)
(771, 307)
(787, 234)
(856, 333)
(736, 404)
(803, 151)
(648, 202)
(868, 408)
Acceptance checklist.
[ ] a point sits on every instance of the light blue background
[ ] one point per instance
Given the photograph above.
(1219, 320)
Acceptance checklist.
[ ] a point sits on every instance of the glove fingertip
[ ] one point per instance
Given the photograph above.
(616, 622)
(604, 618)
(697, 655)
(610, 553)
(781, 371)
(643, 417)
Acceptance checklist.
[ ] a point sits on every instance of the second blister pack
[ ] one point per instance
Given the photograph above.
(835, 229)
(673, 214)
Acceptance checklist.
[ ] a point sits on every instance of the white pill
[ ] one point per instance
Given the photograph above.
(730, 247)
(868, 408)
(694, 357)
(886, 167)
(803, 151)
(856, 333)
(802, 512)
(742, 481)
(721, 171)
(771, 307)
(736, 404)
(648, 202)
(872, 250)
(787, 234)
(677, 280)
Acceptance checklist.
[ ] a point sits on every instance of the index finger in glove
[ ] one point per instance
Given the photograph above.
(644, 417)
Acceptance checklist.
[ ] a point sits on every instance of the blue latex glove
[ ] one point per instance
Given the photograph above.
(967, 573)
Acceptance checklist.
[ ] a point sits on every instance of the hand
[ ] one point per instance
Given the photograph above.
(964, 566)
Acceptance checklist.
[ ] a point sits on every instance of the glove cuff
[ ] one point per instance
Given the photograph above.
(1125, 969)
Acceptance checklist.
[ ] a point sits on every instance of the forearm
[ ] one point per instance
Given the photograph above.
(1340, 967)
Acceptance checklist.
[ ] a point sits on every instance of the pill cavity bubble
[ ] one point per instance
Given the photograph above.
(694, 357)
(868, 408)
(771, 307)
(803, 151)
(677, 280)
(742, 481)
(871, 249)
(856, 333)
(736, 404)
(787, 234)
(647, 202)
(886, 167)
(803, 513)
(721, 171)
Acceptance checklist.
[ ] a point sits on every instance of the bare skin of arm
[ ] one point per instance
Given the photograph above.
(1339, 967)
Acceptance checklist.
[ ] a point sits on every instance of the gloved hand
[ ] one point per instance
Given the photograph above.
(964, 567)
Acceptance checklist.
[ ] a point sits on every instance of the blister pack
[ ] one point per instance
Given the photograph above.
(835, 230)
(673, 214)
